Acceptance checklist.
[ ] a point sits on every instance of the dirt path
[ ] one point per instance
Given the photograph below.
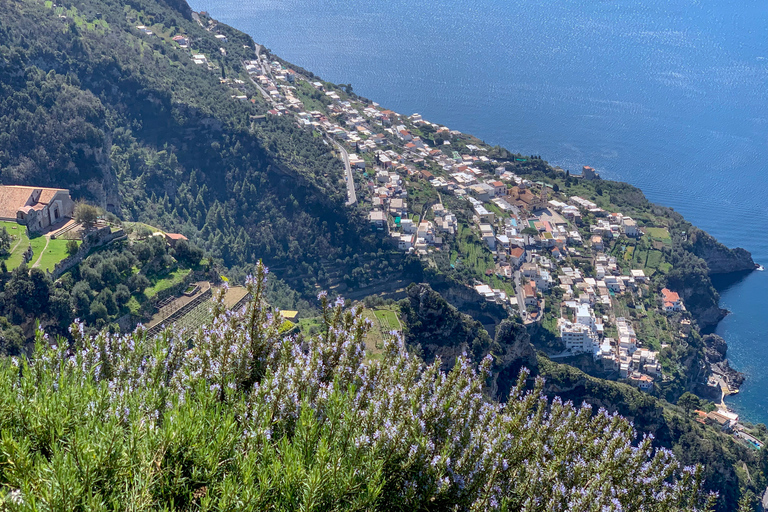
(15, 246)
(37, 262)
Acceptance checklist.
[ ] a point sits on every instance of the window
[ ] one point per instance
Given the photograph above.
(56, 213)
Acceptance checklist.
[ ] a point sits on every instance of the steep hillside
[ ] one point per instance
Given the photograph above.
(127, 119)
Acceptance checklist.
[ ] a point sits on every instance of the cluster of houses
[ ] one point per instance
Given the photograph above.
(529, 233)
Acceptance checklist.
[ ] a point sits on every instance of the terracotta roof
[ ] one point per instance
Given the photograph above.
(516, 252)
(528, 290)
(670, 296)
(13, 197)
(175, 236)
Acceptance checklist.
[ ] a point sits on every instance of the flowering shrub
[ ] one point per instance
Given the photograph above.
(250, 419)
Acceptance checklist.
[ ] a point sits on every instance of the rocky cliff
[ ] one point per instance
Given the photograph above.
(720, 259)
(434, 328)
(715, 350)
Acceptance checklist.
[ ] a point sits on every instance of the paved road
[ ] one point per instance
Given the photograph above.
(519, 295)
(350, 179)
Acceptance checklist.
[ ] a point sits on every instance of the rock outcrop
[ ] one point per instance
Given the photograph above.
(720, 259)
(715, 350)
(512, 351)
(434, 328)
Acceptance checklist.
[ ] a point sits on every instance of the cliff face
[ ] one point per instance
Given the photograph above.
(512, 352)
(720, 259)
(435, 328)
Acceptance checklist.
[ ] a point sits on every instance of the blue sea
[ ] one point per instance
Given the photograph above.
(669, 95)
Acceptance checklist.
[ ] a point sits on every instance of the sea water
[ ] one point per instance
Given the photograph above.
(669, 95)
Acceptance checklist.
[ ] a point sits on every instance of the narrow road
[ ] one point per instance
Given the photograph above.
(519, 295)
(351, 194)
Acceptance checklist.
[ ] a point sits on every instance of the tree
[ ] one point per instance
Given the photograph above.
(5, 241)
(530, 231)
(86, 214)
(72, 247)
(98, 310)
(556, 187)
(689, 401)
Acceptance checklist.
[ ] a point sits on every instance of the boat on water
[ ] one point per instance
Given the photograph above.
(760, 268)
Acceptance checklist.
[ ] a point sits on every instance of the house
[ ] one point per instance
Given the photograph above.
(182, 41)
(397, 207)
(642, 381)
(529, 294)
(356, 161)
(630, 226)
(405, 242)
(482, 191)
(174, 238)
(719, 418)
(499, 188)
(377, 219)
(671, 301)
(588, 173)
(627, 336)
(36, 207)
(597, 243)
(577, 337)
(516, 256)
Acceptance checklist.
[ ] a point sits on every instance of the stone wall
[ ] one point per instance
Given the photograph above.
(94, 239)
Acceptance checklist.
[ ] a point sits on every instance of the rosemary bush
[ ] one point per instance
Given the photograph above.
(249, 419)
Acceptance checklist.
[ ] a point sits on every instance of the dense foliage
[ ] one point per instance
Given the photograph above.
(722, 458)
(127, 120)
(249, 419)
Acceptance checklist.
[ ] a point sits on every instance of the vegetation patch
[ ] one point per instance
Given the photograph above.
(661, 234)
(172, 278)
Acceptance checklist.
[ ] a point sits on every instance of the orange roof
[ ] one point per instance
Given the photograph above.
(516, 252)
(175, 236)
(528, 290)
(670, 296)
(497, 184)
(13, 197)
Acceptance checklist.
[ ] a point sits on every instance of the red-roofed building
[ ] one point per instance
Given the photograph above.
(642, 381)
(517, 256)
(671, 301)
(499, 189)
(173, 238)
(529, 294)
(36, 207)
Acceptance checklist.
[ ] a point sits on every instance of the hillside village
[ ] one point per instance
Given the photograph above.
(436, 193)
(531, 232)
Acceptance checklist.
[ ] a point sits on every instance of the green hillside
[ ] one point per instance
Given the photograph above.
(128, 121)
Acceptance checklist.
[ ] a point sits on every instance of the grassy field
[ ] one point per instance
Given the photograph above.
(54, 253)
(166, 282)
(659, 234)
(387, 319)
(374, 340)
(654, 259)
(19, 243)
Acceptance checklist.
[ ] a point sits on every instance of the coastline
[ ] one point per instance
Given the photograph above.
(726, 262)
(661, 188)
